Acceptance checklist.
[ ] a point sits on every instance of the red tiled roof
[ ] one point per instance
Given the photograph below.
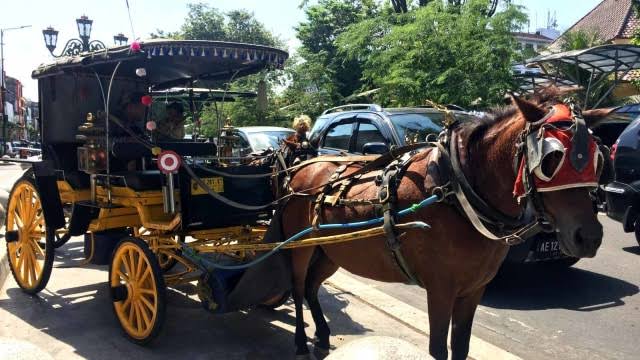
(532, 36)
(612, 19)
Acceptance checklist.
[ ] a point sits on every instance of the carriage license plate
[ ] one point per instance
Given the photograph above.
(215, 183)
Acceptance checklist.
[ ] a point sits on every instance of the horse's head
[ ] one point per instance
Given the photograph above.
(559, 168)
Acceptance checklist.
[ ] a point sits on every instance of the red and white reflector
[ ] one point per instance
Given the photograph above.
(169, 162)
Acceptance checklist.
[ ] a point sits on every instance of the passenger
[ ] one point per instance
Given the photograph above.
(297, 144)
(301, 124)
(130, 114)
(172, 127)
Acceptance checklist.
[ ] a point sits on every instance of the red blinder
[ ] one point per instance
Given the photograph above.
(561, 172)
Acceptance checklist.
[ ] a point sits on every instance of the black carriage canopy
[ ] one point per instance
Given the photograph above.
(203, 94)
(171, 63)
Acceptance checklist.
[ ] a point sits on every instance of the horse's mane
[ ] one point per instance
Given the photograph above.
(476, 128)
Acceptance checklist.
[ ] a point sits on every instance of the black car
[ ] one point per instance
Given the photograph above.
(623, 194)
(370, 129)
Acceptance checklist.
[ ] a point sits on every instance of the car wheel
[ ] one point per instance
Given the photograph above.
(637, 231)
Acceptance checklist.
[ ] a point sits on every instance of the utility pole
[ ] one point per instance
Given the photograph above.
(3, 89)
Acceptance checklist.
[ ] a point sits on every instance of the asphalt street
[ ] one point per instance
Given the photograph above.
(588, 311)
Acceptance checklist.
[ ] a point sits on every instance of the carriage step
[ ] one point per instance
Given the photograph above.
(12, 236)
(119, 293)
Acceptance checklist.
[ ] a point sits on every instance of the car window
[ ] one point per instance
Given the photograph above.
(412, 128)
(267, 139)
(368, 133)
(338, 136)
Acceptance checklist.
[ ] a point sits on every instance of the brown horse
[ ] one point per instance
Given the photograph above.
(451, 260)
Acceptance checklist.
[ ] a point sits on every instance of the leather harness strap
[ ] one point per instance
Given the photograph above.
(389, 181)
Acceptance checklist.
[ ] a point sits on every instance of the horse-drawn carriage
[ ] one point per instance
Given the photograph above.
(106, 175)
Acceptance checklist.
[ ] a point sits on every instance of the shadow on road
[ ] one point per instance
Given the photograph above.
(82, 317)
(538, 287)
(632, 249)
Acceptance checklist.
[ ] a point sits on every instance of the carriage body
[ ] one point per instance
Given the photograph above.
(105, 184)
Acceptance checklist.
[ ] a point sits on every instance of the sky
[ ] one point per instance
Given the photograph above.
(24, 49)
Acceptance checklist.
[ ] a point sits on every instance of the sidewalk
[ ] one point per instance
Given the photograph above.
(73, 318)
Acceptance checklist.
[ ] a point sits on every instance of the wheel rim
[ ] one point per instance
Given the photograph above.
(27, 254)
(138, 312)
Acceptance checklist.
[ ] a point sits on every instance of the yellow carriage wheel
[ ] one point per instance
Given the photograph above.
(29, 244)
(137, 290)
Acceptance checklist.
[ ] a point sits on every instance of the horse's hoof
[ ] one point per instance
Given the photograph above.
(320, 352)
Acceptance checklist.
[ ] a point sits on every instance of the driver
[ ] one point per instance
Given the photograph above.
(172, 127)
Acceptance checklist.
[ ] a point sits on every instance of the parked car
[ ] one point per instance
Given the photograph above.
(623, 194)
(254, 139)
(370, 129)
(9, 151)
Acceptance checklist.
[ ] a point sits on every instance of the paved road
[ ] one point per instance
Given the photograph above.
(589, 311)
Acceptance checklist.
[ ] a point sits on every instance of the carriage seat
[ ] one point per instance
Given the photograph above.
(138, 180)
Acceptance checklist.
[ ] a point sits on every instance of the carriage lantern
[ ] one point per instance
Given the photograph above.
(77, 46)
(120, 39)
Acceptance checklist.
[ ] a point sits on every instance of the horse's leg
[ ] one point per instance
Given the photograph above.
(300, 259)
(440, 308)
(463, 311)
(320, 270)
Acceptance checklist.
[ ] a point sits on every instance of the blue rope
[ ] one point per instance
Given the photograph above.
(207, 264)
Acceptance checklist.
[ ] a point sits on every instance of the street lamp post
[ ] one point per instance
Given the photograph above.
(3, 89)
(76, 46)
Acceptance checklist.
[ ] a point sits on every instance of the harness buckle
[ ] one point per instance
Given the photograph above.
(441, 192)
(513, 240)
(384, 194)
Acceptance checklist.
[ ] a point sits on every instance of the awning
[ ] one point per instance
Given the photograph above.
(601, 59)
(613, 61)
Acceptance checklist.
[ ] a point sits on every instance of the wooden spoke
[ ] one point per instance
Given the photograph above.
(139, 268)
(147, 303)
(145, 315)
(144, 276)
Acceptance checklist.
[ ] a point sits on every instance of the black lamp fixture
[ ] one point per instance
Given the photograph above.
(50, 38)
(120, 39)
(84, 26)
(77, 46)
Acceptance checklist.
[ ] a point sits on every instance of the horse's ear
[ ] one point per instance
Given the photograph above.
(591, 117)
(530, 111)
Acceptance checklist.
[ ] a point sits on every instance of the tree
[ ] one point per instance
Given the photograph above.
(432, 53)
(401, 6)
(580, 39)
(204, 22)
(320, 76)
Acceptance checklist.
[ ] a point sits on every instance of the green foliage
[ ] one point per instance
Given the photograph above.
(204, 22)
(580, 39)
(431, 53)
(320, 76)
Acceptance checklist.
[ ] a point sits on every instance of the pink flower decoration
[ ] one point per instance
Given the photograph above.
(135, 47)
(151, 125)
(146, 100)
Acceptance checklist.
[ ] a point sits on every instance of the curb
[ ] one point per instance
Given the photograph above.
(4, 260)
(402, 312)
